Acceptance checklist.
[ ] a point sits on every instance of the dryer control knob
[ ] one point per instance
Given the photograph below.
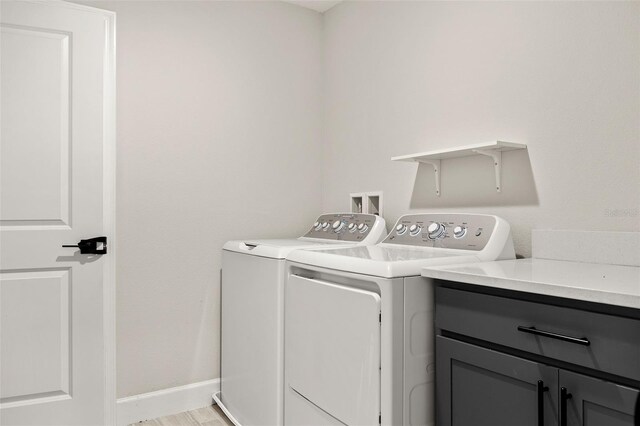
(317, 226)
(459, 231)
(414, 230)
(401, 229)
(337, 226)
(363, 228)
(436, 230)
(325, 226)
(352, 227)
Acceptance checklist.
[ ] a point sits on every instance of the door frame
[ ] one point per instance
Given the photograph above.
(109, 201)
(109, 216)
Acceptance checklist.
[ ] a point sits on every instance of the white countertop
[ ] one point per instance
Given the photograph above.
(592, 282)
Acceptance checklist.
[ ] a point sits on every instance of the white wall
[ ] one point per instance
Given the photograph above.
(220, 133)
(562, 77)
(219, 121)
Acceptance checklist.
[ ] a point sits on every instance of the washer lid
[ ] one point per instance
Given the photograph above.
(382, 260)
(279, 248)
(391, 253)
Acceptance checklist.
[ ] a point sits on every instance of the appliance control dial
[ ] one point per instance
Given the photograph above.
(436, 230)
(459, 231)
(317, 226)
(351, 227)
(337, 226)
(325, 226)
(414, 230)
(363, 228)
(401, 229)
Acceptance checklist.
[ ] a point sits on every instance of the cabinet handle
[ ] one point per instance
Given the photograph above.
(541, 390)
(564, 396)
(532, 330)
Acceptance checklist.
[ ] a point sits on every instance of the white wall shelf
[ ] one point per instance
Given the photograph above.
(492, 149)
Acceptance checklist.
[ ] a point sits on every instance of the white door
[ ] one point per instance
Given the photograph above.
(56, 123)
(332, 350)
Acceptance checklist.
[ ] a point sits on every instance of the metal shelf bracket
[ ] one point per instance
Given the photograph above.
(497, 163)
(436, 169)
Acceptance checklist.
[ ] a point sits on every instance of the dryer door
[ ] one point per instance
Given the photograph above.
(332, 355)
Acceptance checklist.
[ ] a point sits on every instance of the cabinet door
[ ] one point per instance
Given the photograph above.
(481, 387)
(595, 402)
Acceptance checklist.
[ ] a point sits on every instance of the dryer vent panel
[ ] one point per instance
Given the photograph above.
(374, 204)
(357, 205)
(367, 202)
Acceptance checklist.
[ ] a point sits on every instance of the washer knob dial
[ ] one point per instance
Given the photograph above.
(317, 226)
(436, 230)
(414, 230)
(325, 226)
(363, 228)
(337, 226)
(401, 229)
(351, 227)
(459, 231)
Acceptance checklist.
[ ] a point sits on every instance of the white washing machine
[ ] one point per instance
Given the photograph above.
(359, 338)
(252, 292)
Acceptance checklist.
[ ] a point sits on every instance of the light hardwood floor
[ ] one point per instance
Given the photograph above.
(207, 416)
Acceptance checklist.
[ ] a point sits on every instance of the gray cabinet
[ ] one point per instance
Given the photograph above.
(594, 402)
(490, 373)
(476, 386)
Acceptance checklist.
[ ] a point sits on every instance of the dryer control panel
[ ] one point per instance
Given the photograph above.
(343, 226)
(450, 231)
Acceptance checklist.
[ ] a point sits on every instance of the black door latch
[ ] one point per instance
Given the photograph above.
(96, 245)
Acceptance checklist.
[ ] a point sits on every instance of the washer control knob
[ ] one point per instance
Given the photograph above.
(337, 226)
(317, 226)
(351, 227)
(436, 230)
(325, 226)
(401, 229)
(414, 230)
(459, 231)
(363, 228)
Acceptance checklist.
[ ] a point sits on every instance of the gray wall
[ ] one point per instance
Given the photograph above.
(219, 124)
(562, 77)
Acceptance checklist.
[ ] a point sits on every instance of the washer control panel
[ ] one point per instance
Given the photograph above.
(342, 226)
(453, 231)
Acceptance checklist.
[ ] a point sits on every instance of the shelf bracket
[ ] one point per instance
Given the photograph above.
(436, 169)
(497, 163)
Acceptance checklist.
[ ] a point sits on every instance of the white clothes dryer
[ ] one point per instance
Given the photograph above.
(252, 293)
(359, 337)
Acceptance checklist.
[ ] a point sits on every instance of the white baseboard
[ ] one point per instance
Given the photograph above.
(165, 402)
